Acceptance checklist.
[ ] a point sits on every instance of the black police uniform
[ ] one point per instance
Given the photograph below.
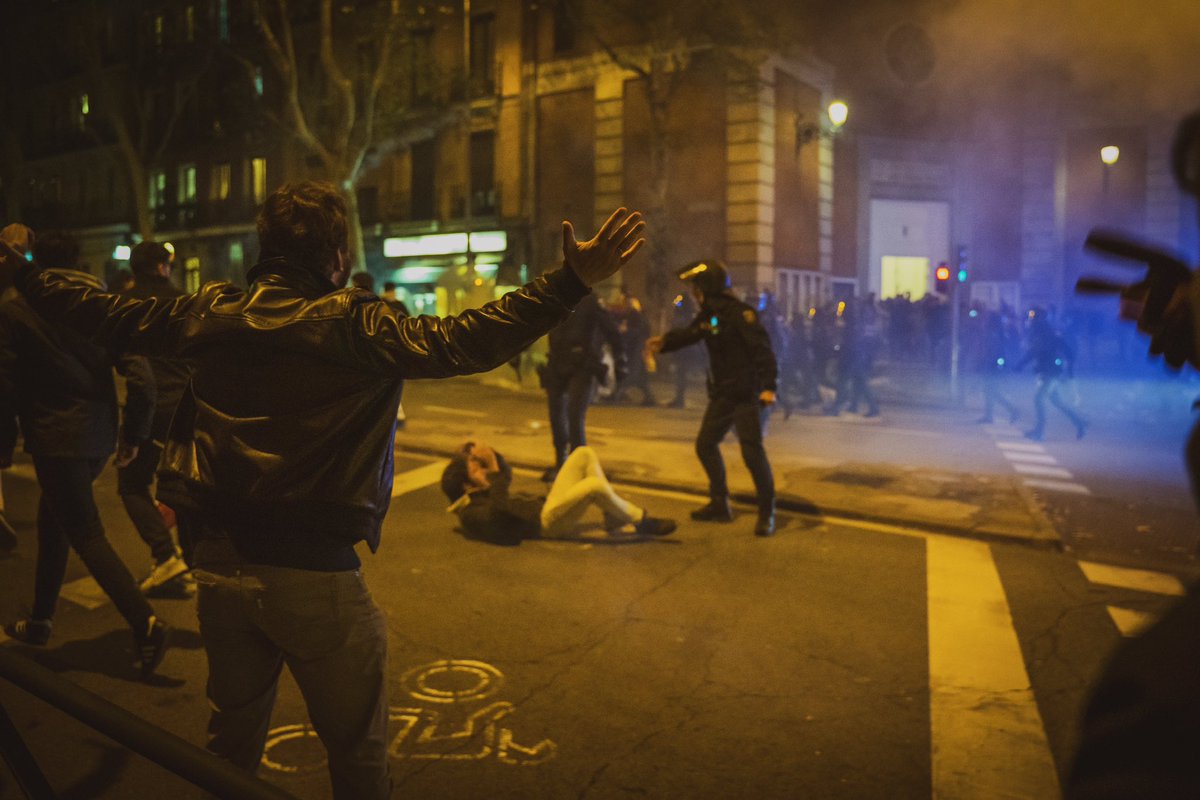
(574, 365)
(741, 366)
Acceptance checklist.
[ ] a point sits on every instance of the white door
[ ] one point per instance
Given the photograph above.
(902, 230)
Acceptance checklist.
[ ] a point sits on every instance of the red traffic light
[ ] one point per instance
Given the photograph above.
(943, 272)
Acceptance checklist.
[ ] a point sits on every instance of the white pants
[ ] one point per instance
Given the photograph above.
(580, 485)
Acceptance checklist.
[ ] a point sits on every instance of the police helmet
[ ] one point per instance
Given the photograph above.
(709, 276)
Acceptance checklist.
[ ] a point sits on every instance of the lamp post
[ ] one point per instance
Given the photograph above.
(1108, 156)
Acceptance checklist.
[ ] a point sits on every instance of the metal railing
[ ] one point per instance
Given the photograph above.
(181, 757)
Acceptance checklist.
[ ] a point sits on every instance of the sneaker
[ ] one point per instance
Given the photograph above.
(765, 525)
(654, 526)
(715, 511)
(173, 567)
(181, 587)
(152, 646)
(30, 631)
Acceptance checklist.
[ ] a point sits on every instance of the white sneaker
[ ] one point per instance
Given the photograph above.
(173, 567)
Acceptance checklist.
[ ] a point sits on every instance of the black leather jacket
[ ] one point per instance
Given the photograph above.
(290, 413)
(59, 385)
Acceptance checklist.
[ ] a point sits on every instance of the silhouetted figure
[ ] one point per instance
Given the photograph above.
(856, 359)
(993, 357)
(1052, 362)
(631, 322)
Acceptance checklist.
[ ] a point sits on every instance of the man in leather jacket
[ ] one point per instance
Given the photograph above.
(282, 450)
(741, 388)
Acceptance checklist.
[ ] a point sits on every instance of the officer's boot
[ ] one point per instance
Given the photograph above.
(717, 510)
(766, 521)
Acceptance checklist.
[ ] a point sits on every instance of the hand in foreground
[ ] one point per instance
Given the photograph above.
(602, 255)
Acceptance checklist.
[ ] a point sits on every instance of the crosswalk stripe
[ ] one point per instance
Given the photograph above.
(1128, 621)
(84, 592)
(1058, 486)
(986, 732)
(1045, 472)
(1142, 580)
(1026, 446)
(418, 478)
(1029, 458)
(458, 412)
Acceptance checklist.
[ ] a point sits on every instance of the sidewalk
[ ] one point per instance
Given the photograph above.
(660, 456)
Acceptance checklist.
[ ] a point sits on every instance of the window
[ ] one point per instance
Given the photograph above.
(218, 187)
(187, 184)
(422, 197)
(158, 188)
(258, 80)
(258, 180)
(483, 172)
(223, 20)
(564, 29)
(191, 274)
(421, 66)
(82, 109)
(189, 23)
(236, 256)
(483, 54)
(159, 26)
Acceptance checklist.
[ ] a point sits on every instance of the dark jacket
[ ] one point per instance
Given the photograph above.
(286, 428)
(170, 375)
(60, 385)
(496, 514)
(741, 361)
(577, 344)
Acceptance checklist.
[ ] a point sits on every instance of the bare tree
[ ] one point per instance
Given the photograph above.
(137, 104)
(337, 115)
(658, 40)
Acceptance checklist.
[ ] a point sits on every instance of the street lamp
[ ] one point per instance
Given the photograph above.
(1109, 155)
(828, 126)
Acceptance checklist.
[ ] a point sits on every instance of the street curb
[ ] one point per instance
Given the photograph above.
(1045, 537)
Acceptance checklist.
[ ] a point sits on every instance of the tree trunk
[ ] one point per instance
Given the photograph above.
(358, 255)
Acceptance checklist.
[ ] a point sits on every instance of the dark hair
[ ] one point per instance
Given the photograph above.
(389, 286)
(455, 476)
(146, 256)
(304, 223)
(363, 280)
(56, 249)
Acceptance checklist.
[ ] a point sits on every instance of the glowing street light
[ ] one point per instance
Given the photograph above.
(1109, 154)
(838, 112)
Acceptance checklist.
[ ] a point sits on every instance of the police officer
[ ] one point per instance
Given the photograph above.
(741, 387)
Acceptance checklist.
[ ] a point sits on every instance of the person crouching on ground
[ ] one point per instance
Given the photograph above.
(478, 479)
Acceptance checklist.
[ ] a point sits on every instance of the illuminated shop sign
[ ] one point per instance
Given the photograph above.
(445, 244)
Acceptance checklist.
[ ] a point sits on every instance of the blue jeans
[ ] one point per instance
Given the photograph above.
(327, 629)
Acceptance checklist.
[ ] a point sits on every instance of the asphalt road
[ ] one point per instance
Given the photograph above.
(834, 660)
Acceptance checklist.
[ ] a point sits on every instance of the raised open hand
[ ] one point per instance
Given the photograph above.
(602, 255)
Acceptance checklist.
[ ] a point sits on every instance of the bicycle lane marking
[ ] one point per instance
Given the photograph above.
(987, 736)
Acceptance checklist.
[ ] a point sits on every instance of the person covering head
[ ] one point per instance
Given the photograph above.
(146, 258)
(305, 224)
(709, 276)
(455, 476)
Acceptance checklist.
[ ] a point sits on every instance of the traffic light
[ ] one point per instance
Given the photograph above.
(963, 263)
(941, 283)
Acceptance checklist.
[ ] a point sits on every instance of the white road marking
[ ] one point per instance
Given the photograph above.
(418, 478)
(986, 732)
(1142, 580)
(1045, 472)
(458, 412)
(1058, 486)
(1130, 622)
(84, 592)
(1026, 446)
(1029, 458)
